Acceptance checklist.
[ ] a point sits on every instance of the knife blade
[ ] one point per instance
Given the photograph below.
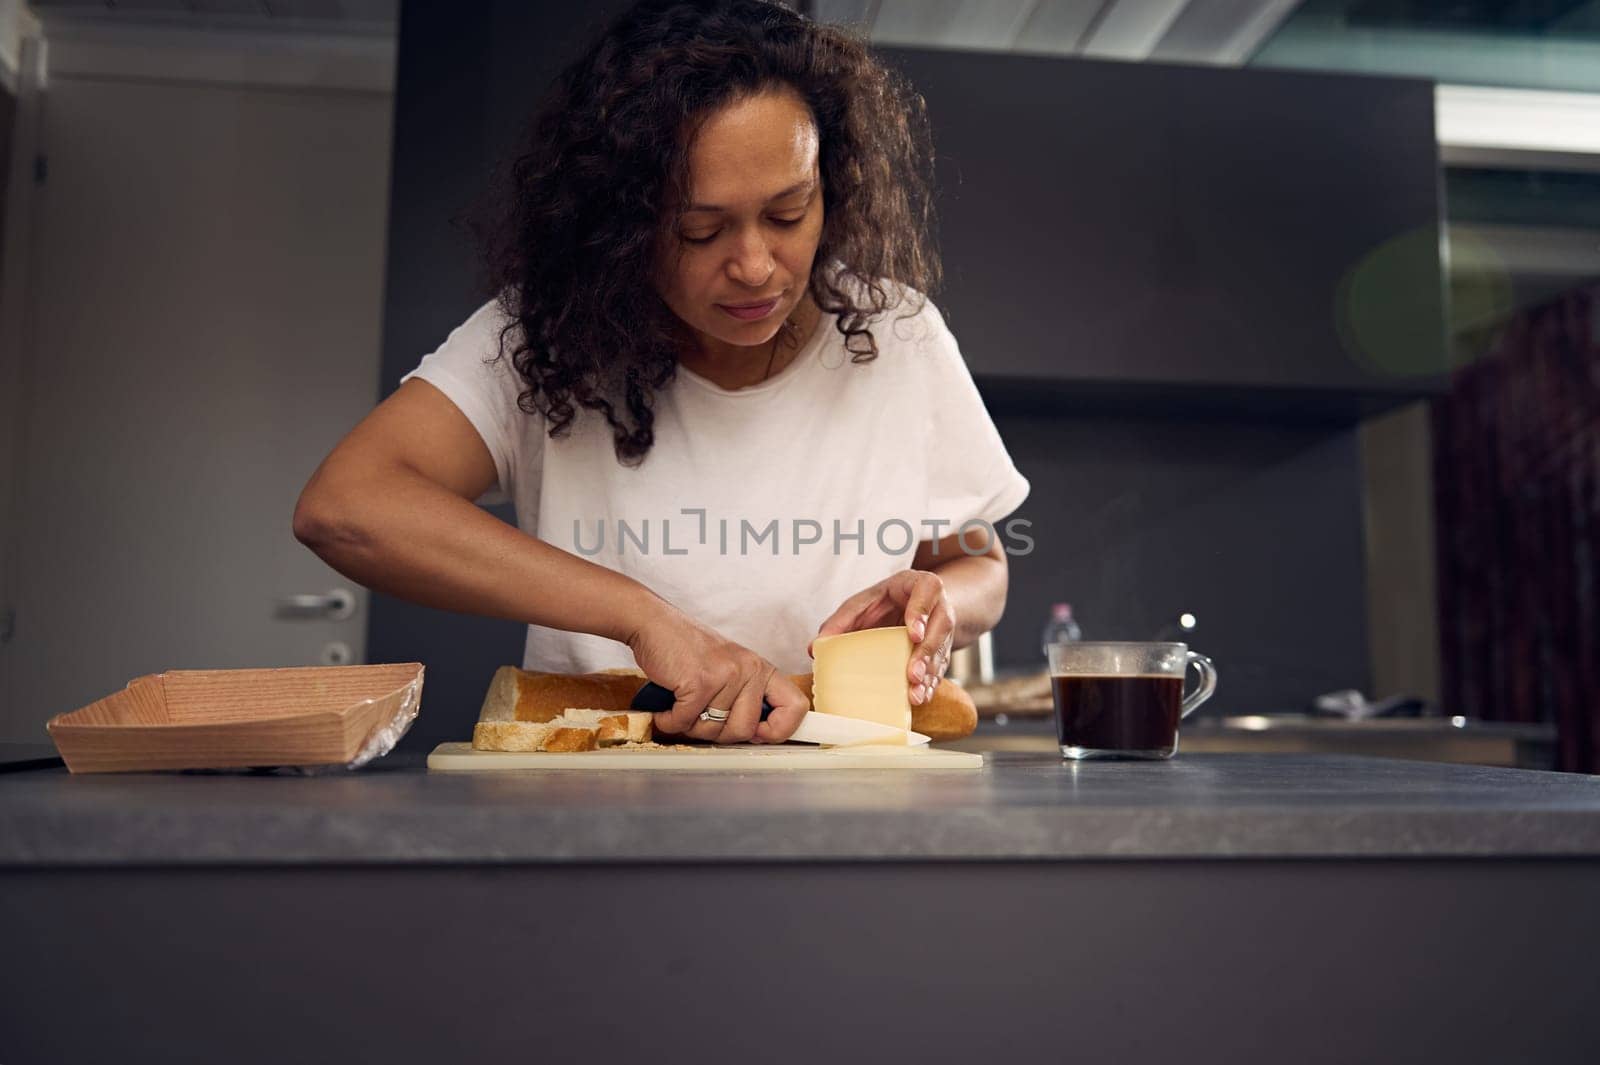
(816, 727)
(836, 730)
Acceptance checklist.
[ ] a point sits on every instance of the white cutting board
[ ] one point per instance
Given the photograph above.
(734, 758)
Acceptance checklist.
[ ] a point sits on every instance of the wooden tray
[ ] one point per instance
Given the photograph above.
(233, 718)
(735, 758)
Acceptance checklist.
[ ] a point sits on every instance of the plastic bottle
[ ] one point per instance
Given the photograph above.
(1061, 628)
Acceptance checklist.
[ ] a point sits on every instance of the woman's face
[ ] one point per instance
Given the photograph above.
(740, 259)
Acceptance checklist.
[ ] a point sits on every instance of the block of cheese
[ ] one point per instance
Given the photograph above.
(863, 675)
(949, 715)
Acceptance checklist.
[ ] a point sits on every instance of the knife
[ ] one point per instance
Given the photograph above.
(816, 727)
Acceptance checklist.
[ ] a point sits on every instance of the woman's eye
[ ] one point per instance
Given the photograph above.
(786, 223)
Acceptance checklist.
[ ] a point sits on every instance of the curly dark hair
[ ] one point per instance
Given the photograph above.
(571, 227)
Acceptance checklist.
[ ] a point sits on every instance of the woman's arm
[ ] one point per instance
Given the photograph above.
(392, 507)
(974, 585)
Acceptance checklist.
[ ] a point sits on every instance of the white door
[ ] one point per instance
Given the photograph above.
(205, 290)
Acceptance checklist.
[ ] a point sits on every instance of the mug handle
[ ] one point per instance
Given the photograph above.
(1208, 683)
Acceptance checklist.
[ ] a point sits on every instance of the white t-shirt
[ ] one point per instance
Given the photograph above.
(759, 510)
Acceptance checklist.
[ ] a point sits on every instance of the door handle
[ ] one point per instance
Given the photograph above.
(336, 605)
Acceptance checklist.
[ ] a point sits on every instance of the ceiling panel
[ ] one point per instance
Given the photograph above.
(1225, 32)
(331, 10)
(231, 7)
(1131, 29)
(174, 7)
(371, 10)
(843, 12)
(1058, 26)
(985, 25)
(1216, 31)
(237, 12)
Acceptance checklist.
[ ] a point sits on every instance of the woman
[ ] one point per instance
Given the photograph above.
(708, 263)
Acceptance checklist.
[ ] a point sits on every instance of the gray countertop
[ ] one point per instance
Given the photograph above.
(1018, 807)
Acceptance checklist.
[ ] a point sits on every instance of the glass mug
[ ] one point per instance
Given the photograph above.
(1124, 700)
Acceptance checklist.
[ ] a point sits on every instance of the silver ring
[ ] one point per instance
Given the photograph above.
(713, 714)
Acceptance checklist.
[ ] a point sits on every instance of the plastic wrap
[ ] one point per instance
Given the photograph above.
(383, 738)
(386, 734)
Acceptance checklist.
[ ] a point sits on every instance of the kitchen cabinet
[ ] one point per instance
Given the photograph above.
(1155, 237)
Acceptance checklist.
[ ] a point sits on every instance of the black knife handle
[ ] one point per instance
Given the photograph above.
(656, 699)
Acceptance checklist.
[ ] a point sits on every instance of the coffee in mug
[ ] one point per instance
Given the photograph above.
(1124, 700)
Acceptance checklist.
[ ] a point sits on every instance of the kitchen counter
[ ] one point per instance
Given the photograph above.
(1020, 806)
(1218, 908)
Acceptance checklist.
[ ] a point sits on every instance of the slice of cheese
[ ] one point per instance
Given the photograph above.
(863, 675)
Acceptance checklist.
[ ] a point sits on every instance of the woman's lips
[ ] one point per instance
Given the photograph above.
(749, 312)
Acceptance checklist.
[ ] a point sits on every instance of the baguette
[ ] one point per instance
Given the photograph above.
(577, 729)
(519, 695)
(635, 726)
(511, 735)
(565, 737)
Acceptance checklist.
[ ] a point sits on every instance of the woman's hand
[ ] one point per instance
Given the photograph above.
(704, 670)
(915, 598)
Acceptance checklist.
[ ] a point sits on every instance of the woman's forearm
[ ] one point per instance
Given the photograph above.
(976, 587)
(408, 537)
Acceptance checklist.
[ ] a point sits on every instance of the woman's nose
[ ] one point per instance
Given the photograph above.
(752, 262)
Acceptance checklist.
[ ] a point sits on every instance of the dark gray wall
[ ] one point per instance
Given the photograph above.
(467, 76)
(8, 125)
(1253, 527)
(1183, 467)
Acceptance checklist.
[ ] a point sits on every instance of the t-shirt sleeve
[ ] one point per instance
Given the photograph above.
(970, 474)
(468, 369)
